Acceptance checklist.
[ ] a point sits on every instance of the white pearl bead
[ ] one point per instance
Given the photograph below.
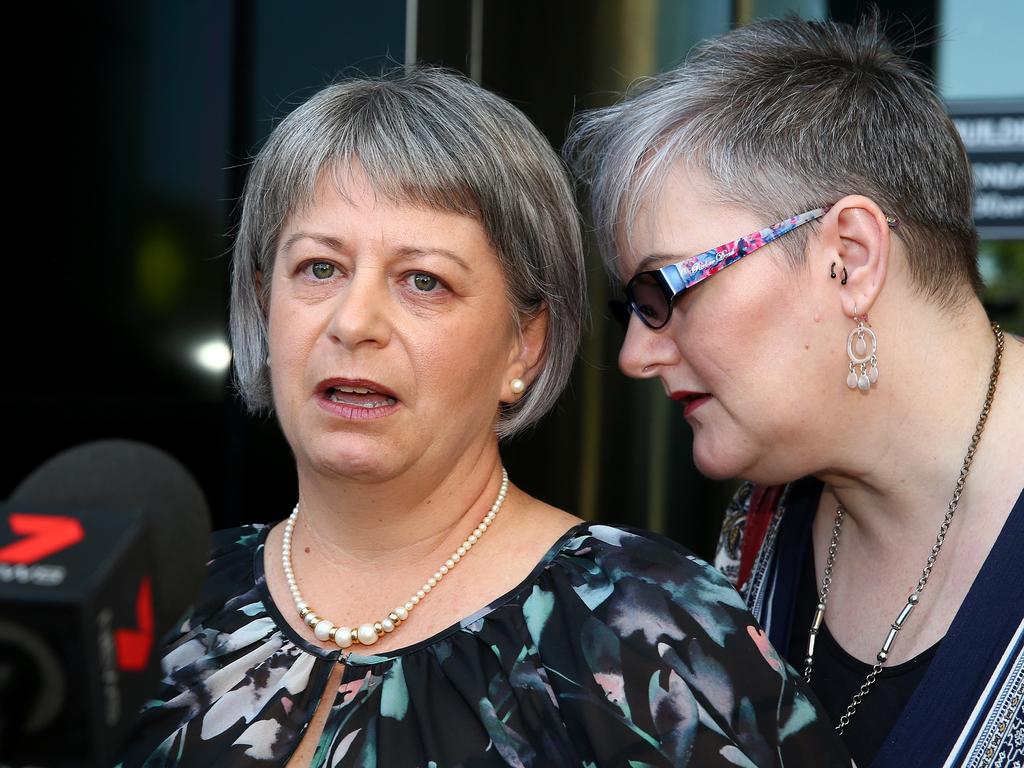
(402, 613)
(444, 570)
(322, 630)
(415, 600)
(426, 588)
(312, 619)
(301, 606)
(409, 606)
(367, 634)
(461, 550)
(456, 557)
(449, 564)
(387, 625)
(343, 637)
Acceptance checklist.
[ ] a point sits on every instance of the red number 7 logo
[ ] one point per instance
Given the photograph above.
(46, 534)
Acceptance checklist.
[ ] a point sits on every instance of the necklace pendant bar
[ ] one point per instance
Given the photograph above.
(889, 639)
(904, 614)
(819, 617)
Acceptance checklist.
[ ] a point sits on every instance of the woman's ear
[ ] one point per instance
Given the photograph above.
(856, 239)
(526, 355)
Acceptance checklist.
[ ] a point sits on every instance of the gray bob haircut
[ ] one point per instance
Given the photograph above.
(423, 137)
(784, 116)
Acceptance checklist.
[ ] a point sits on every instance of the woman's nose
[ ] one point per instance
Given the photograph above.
(362, 311)
(645, 351)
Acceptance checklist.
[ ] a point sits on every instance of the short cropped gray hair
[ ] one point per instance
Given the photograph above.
(424, 137)
(784, 116)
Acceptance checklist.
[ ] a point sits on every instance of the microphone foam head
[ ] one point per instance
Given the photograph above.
(128, 475)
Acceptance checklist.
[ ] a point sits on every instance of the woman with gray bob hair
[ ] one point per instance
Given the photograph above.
(498, 169)
(408, 287)
(877, 536)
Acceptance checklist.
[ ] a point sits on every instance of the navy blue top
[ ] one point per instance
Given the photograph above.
(934, 693)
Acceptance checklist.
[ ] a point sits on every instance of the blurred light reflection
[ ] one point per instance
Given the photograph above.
(213, 356)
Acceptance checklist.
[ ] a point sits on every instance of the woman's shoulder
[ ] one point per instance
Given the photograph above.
(628, 552)
(659, 633)
(622, 570)
(230, 568)
(230, 577)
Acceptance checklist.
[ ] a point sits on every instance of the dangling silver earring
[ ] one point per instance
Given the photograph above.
(857, 349)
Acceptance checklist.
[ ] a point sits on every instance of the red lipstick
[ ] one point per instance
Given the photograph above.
(691, 400)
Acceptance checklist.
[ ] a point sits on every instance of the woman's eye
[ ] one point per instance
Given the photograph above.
(424, 282)
(322, 270)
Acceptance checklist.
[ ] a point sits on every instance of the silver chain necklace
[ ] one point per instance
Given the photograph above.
(833, 548)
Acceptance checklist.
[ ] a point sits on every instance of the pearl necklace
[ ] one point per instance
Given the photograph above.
(367, 634)
(833, 548)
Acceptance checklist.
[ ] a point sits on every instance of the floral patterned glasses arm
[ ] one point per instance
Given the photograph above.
(650, 294)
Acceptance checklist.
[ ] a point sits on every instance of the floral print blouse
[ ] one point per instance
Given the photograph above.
(619, 649)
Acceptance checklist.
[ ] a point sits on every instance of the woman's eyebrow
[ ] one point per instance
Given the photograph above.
(656, 260)
(327, 241)
(408, 251)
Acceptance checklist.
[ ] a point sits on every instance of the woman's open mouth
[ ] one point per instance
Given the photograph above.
(356, 399)
(691, 400)
(360, 397)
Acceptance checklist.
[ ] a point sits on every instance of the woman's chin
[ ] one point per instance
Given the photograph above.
(713, 470)
(352, 459)
(716, 464)
(761, 471)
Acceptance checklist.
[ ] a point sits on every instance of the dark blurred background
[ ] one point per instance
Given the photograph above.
(132, 125)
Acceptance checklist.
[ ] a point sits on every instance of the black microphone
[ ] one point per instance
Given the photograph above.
(102, 550)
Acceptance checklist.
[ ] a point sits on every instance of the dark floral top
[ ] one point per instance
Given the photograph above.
(619, 649)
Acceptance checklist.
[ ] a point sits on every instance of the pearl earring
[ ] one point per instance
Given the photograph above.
(857, 350)
(517, 386)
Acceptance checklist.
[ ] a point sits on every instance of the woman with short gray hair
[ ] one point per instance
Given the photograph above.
(407, 289)
(878, 536)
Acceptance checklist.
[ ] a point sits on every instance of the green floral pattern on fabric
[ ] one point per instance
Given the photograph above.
(620, 649)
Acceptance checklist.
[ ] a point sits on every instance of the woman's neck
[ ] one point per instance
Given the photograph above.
(415, 514)
(903, 453)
